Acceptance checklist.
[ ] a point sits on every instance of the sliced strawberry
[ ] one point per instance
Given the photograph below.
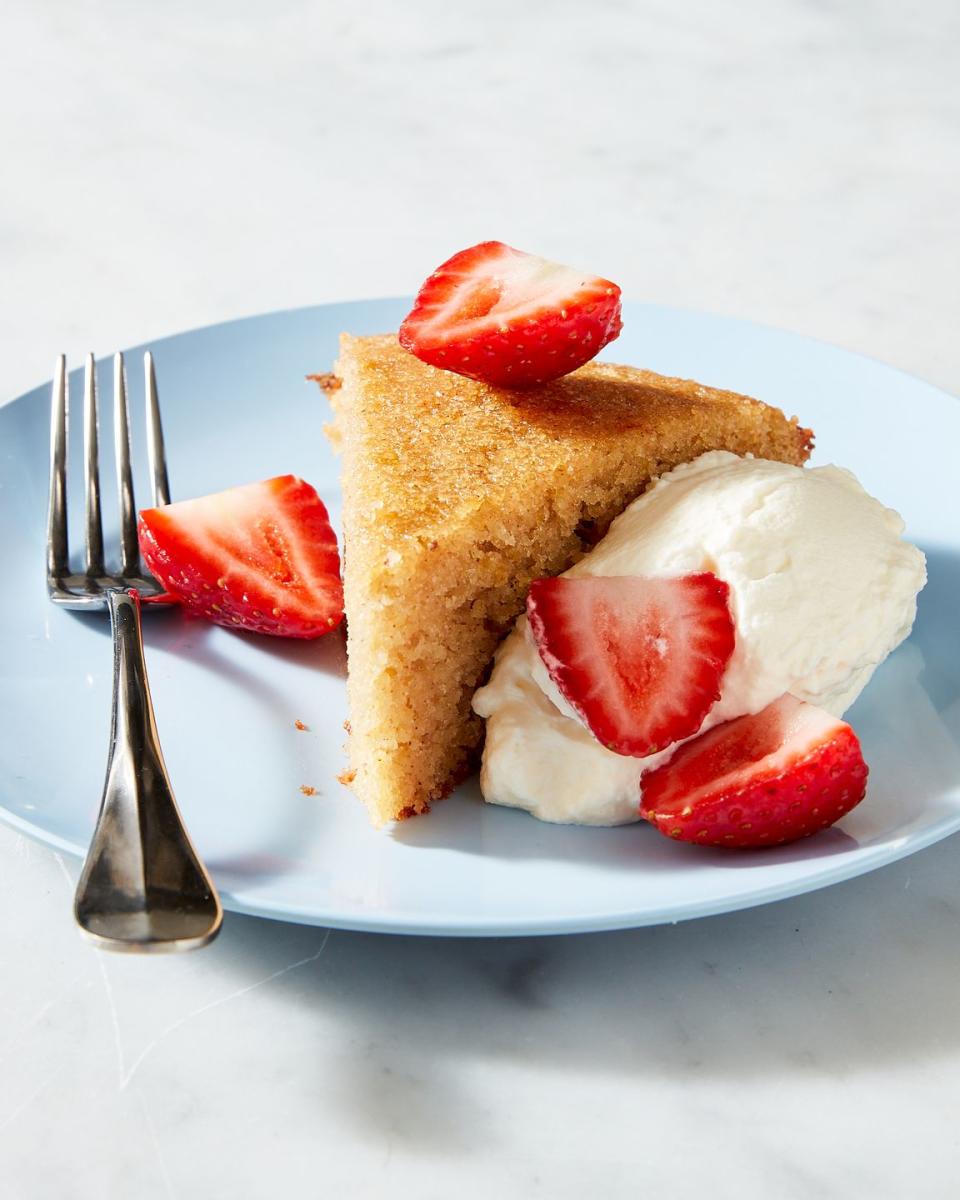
(511, 319)
(640, 660)
(782, 774)
(262, 557)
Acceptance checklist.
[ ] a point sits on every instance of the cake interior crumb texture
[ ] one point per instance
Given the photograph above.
(457, 495)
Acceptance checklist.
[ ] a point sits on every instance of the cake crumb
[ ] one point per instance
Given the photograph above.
(300, 725)
(411, 810)
(308, 789)
(346, 726)
(346, 777)
(328, 381)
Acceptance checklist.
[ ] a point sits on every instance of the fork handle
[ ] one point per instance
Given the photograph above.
(143, 886)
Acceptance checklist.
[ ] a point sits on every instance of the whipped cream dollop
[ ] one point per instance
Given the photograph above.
(822, 588)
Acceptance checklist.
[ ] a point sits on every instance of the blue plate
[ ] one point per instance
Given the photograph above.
(237, 408)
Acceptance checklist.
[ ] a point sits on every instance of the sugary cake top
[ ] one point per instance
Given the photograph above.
(433, 442)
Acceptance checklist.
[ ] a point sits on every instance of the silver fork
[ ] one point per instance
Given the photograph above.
(143, 886)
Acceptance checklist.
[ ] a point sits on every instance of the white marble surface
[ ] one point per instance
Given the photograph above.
(170, 165)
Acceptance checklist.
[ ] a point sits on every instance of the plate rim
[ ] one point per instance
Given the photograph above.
(688, 310)
(868, 860)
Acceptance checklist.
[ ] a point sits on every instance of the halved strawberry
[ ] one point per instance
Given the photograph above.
(782, 774)
(640, 660)
(262, 557)
(508, 318)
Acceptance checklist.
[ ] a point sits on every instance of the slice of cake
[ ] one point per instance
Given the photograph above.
(456, 495)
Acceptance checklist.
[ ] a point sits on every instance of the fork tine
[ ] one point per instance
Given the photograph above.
(129, 549)
(91, 470)
(155, 450)
(57, 547)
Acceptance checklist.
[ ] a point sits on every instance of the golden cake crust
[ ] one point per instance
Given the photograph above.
(456, 496)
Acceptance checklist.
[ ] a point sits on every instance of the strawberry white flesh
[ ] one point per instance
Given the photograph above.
(640, 660)
(505, 317)
(760, 780)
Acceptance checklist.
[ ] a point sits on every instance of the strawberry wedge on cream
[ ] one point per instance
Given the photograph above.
(821, 588)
